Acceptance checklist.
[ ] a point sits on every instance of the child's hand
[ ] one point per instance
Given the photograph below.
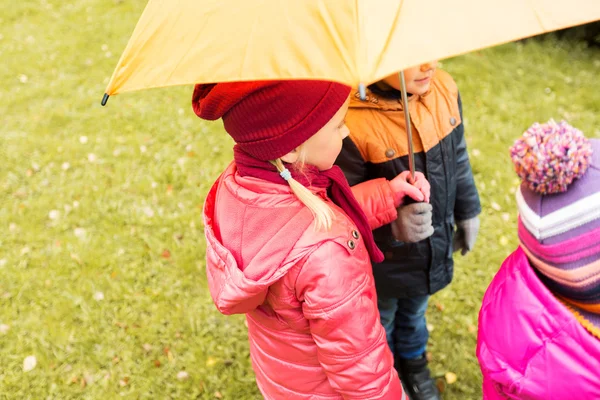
(418, 191)
(465, 235)
(414, 223)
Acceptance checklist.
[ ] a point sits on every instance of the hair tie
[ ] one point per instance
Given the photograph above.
(286, 174)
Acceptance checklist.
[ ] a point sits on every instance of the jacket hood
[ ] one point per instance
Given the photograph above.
(244, 258)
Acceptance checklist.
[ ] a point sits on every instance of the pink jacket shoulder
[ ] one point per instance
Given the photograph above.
(529, 344)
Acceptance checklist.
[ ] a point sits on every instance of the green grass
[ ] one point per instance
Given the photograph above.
(101, 242)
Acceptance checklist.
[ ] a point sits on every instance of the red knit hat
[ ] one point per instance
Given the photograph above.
(270, 119)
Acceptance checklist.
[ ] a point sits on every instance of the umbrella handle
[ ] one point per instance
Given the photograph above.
(362, 90)
(411, 152)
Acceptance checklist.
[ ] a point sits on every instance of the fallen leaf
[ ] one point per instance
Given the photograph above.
(29, 363)
(450, 377)
(182, 375)
(124, 382)
(169, 189)
(430, 327)
(218, 395)
(428, 356)
(472, 328)
(157, 363)
(147, 347)
(441, 384)
(210, 362)
(121, 325)
(166, 254)
(113, 274)
(89, 379)
(439, 306)
(76, 258)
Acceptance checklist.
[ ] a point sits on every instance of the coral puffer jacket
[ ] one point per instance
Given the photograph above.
(308, 296)
(530, 346)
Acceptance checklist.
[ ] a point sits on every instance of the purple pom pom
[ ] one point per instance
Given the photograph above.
(548, 157)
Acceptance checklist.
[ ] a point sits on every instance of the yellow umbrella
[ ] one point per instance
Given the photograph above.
(356, 42)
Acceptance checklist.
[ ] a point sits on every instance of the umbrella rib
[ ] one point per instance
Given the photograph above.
(388, 39)
(246, 48)
(537, 15)
(198, 35)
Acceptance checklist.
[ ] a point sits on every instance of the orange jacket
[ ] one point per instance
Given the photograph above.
(377, 148)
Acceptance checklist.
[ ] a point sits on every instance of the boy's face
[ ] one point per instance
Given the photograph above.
(418, 79)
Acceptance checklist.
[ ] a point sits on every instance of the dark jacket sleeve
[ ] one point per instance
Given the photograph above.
(351, 162)
(467, 198)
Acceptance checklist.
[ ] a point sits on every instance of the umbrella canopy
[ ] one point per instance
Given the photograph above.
(180, 42)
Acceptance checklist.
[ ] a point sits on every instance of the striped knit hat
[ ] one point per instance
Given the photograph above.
(559, 214)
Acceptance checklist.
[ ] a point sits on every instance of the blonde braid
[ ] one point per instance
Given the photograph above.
(322, 213)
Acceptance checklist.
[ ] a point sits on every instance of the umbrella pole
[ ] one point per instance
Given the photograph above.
(411, 153)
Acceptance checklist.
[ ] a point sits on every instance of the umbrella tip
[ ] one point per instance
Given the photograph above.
(362, 90)
(105, 99)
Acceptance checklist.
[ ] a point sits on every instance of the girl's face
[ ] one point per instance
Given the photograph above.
(322, 149)
(418, 79)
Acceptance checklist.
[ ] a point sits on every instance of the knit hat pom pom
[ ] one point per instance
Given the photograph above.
(548, 157)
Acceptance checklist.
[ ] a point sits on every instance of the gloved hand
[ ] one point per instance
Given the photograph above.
(418, 191)
(465, 235)
(413, 223)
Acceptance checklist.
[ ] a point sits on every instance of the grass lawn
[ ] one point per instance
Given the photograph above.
(101, 241)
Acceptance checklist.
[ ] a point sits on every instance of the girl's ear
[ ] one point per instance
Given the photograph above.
(291, 157)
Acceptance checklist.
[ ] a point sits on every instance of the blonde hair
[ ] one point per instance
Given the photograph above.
(322, 213)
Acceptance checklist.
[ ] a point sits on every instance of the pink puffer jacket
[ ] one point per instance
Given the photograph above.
(309, 297)
(530, 346)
